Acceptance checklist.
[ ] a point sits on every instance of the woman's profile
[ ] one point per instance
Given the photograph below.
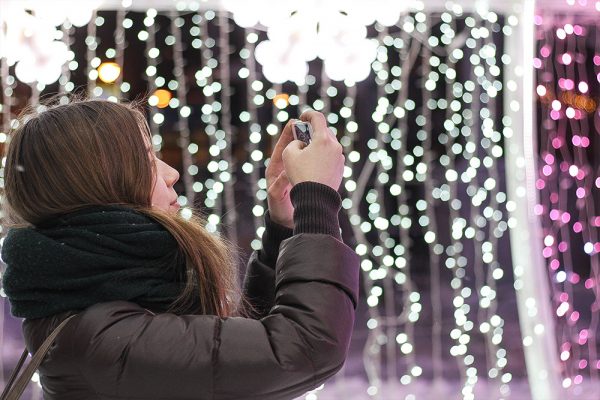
(94, 231)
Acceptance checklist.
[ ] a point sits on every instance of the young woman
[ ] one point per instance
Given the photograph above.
(95, 232)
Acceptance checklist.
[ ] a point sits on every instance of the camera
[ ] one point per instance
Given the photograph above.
(302, 131)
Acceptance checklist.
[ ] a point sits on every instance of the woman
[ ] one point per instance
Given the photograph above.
(95, 232)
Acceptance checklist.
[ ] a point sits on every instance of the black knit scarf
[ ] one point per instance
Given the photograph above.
(91, 256)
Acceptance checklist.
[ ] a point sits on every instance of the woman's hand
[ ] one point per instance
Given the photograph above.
(281, 210)
(321, 161)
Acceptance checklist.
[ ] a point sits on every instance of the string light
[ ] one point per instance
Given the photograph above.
(249, 116)
(188, 148)
(163, 96)
(205, 78)
(568, 184)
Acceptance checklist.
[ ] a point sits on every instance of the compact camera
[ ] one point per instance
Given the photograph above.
(302, 131)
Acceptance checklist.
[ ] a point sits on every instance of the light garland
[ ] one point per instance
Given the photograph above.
(568, 182)
(254, 166)
(336, 34)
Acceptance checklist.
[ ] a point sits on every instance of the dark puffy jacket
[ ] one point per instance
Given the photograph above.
(119, 350)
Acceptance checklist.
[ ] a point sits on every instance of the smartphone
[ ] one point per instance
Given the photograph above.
(302, 131)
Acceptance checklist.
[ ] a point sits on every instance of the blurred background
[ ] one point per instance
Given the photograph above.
(472, 137)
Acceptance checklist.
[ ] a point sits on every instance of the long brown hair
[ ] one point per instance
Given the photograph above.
(92, 152)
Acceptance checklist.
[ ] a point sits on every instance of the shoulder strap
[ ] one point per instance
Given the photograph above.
(15, 386)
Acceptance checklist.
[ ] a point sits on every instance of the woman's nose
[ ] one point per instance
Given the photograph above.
(173, 176)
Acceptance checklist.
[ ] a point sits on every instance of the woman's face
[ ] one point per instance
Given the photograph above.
(163, 196)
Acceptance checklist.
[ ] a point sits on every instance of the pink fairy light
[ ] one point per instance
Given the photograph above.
(589, 283)
(567, 183)
(540, 184)
(556, 142)
(564, 297)
(574, 278)
(545, 51)
(562, 247)
(574, 316)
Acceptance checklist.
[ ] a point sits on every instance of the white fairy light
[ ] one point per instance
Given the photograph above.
(337, 34)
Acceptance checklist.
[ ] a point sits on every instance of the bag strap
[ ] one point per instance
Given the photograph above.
(16, 386)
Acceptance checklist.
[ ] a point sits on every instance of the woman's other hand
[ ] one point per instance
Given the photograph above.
(321, 161)
(281, 210)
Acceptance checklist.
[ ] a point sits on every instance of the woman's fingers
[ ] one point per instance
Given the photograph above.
(280, 187)
(318, 122)
(284, 139)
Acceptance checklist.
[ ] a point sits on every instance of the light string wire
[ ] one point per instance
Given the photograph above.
(409, 51)
(378, 215)
(255, 137)
(154, 117)
(430, 223)
(227, 175)
(92, 61)
(493, 214)
(119, 38)
(206, 80)
(65, 78)
(182, 125)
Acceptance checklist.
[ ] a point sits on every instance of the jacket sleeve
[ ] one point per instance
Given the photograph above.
(128, 352)
(259, 280)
